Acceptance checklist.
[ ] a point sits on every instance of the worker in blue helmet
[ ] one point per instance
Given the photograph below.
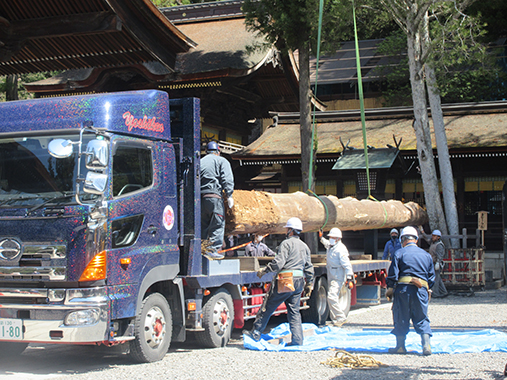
(392, 245)
(437, 251)
(217, 184)
(411, 276)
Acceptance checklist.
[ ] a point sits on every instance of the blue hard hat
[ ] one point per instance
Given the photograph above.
(437, 233)
(212, 145)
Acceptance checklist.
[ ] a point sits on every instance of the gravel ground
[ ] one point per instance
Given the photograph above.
(485, 309)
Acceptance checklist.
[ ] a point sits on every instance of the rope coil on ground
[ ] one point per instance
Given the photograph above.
(347, 360)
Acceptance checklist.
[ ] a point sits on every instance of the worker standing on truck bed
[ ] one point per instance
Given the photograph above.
(411, 275)
(257, 248)
(339, 272)
(292, 266)
(217, 181)
(392, 245)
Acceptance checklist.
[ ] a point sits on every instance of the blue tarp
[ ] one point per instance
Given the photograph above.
(448, 342)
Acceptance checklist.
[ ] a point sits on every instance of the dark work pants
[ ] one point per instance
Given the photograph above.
(292, 301)
(213, 221)
(410, 303)
(439, 289)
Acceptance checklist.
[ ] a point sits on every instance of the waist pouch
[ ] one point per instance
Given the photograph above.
(285, 282)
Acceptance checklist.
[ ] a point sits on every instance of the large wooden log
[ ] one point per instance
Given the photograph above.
(262, 212)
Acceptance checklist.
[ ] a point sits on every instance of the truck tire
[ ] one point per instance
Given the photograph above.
(344, 299)
(9, 350)
(319, 308)
(153, 330)
(218, 320)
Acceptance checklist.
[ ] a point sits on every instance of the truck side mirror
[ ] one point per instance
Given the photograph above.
(60, 148)
(95, 183)
(97, 155)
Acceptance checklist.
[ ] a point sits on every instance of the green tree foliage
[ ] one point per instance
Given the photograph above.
(467, 70)
(295, 22)
(493, 14)
(397, 90)
(20, 79)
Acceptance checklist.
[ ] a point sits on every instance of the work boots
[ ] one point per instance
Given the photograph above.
(425, 340)
(254, 334)
(400, 345)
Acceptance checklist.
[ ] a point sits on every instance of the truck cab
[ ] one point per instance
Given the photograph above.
(89, 230)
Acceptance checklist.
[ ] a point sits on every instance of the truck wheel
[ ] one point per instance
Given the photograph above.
(218, 319)
(319, 308)
(153, 330)
(9, 350)
(344, 299)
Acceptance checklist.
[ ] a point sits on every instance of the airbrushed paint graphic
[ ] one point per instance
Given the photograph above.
(168, 217)
(145, 123)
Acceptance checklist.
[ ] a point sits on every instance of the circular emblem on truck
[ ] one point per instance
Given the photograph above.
(168, 217)
(9, 249)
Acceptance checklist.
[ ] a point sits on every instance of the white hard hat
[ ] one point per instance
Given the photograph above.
(393, 231)
(409, 231)
(294, 223)
(335, 232)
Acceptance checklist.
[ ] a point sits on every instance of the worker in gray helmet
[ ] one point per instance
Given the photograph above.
(339, 273)
(294, 273)
(217, 183)
(411, 276)
(392, 245)
(437, 252)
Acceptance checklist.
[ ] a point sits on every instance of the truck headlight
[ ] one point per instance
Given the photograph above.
(82, 317)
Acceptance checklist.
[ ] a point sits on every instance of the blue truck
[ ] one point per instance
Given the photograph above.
(100, 230)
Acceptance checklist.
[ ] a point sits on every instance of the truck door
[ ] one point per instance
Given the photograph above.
(139, 217)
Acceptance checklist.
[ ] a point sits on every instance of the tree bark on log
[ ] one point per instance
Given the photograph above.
(262, 212)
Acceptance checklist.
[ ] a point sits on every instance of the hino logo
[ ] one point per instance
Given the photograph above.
(9, 249)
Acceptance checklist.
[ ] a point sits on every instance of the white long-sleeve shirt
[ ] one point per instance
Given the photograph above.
(338, 257)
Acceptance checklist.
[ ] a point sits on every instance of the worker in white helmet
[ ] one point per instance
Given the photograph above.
(294, 273)
(339, 273)
(392, 245)
(410, 278)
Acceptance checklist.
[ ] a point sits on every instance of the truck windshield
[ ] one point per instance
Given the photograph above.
(30, 176)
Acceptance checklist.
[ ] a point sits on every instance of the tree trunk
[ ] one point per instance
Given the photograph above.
(444, 161)
(305, 121)
(11, 87)
(422, 132)
(263, 212)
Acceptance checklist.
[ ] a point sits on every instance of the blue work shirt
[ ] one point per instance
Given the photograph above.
(391, 246)
(411, 261)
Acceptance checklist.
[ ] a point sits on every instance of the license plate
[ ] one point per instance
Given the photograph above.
(11, 329)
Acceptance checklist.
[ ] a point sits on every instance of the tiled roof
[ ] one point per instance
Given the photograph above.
(467, 128)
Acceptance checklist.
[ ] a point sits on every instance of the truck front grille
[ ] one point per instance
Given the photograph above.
(38, 262)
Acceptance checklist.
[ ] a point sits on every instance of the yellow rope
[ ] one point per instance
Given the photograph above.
(347, 360)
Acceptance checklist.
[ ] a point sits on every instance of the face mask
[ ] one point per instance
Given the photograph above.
(332, 241)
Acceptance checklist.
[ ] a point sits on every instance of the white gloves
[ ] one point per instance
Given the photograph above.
(230, 202)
